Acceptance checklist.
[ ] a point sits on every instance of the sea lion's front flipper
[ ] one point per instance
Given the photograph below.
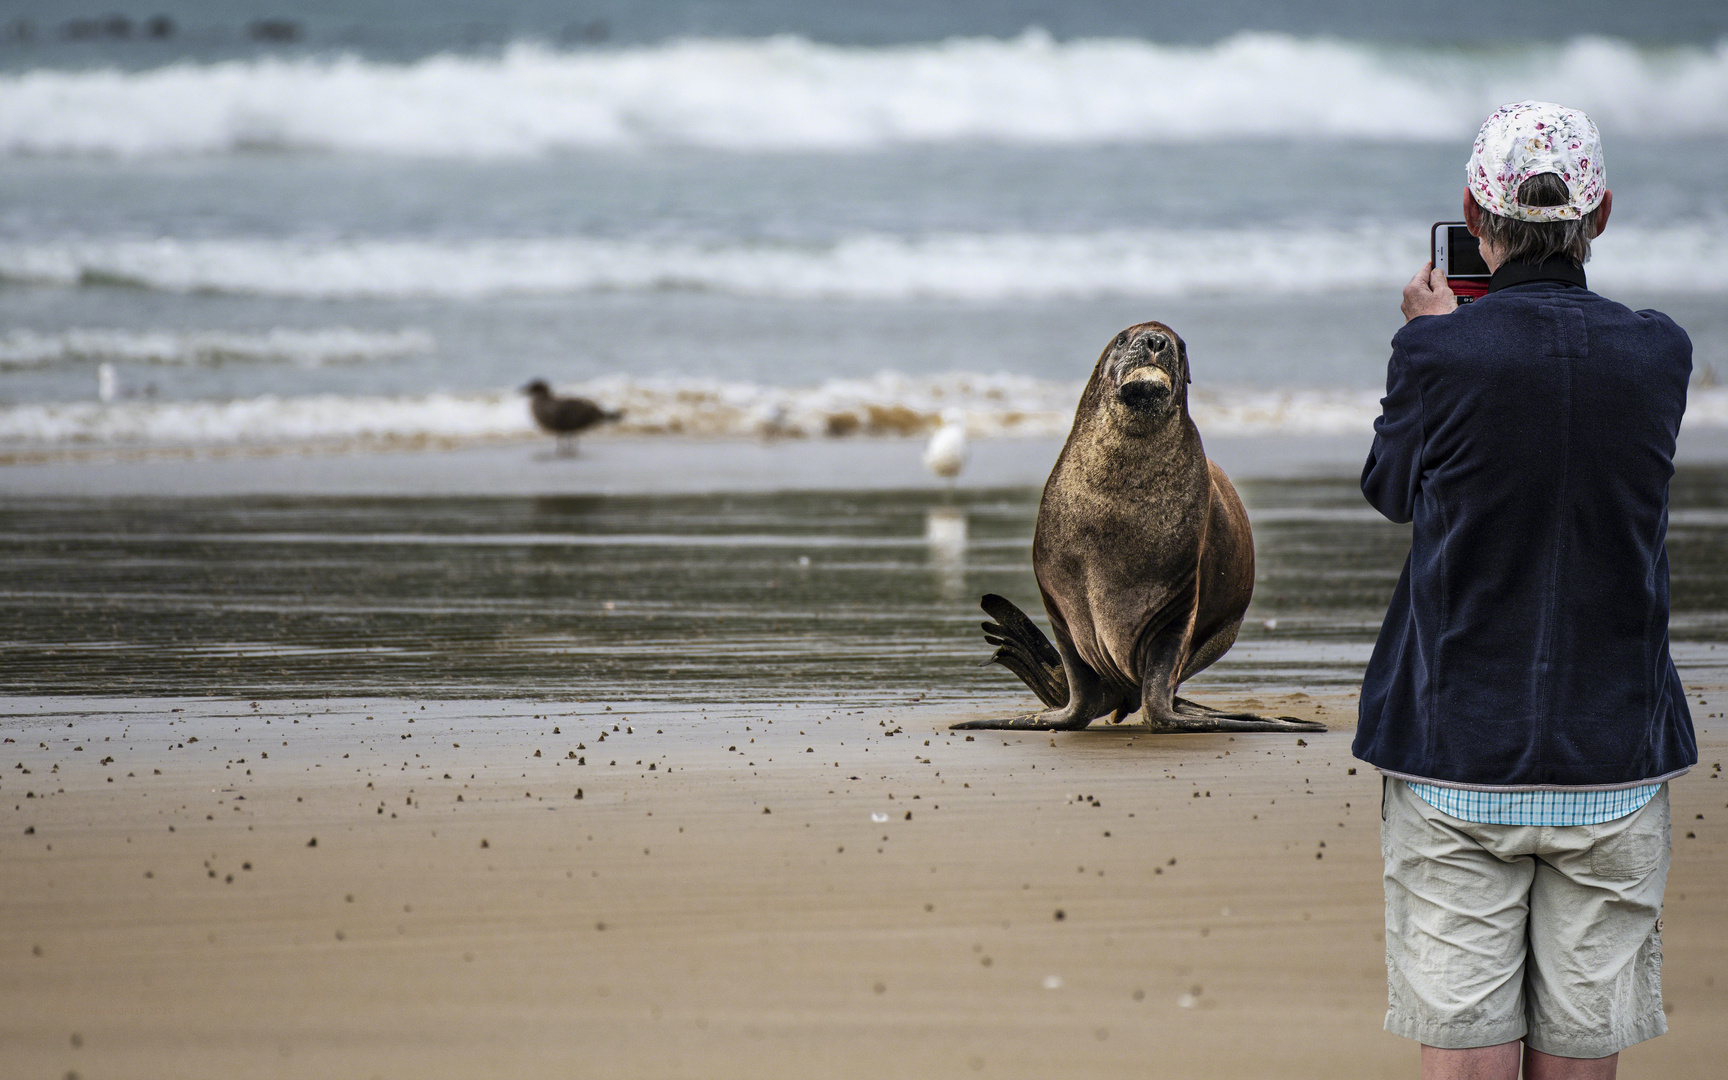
(1189, 716)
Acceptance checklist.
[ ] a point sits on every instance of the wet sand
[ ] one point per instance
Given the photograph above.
(403, 888)
(613, 464)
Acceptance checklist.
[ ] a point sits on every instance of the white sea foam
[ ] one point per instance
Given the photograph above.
(888, 404)
(1684, 257)
(307, 348)
(262, 421)
(789, 93)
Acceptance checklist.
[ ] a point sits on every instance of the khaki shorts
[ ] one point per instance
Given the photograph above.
(1502, 932)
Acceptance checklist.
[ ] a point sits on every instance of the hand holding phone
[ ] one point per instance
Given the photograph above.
(1428, 294)
(1458, 255)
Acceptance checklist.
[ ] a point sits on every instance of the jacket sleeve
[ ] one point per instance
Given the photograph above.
(1392, 478)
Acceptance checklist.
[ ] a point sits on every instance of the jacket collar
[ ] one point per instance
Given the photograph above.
(1518, 272)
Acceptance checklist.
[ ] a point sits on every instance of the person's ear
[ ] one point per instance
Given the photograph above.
(1602, 212)
(1473, 214)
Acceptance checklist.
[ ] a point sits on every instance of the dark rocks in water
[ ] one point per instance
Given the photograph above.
(99, 28)
(593, 32)
(564, 417)
(279, 31)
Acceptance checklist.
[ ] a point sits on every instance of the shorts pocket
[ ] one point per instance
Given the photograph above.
(1624, 850)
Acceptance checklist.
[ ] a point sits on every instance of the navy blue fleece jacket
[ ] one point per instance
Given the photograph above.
(1530, 439)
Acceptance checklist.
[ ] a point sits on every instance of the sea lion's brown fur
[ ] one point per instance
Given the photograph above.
(1143, 554)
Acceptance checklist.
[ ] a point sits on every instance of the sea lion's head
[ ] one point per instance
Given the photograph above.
(1142, 377)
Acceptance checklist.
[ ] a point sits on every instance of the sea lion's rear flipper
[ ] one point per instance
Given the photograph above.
(1073, 691)
(1189, 716)
(1023, 649)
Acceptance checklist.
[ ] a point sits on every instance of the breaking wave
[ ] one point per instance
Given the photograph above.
(1688, 257)
(888, 404)
(306, 348)
(787, 93)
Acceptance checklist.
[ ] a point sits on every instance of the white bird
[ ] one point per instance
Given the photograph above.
(945, 453)
(107, 382)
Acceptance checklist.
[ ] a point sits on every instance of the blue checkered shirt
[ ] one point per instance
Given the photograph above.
(1559, 808)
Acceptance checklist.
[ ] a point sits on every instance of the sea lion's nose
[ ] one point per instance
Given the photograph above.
(1155, 342)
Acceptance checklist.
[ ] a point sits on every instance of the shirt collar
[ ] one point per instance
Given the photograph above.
(1518, 272)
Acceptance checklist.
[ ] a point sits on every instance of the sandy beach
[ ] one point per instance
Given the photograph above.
(403, 888)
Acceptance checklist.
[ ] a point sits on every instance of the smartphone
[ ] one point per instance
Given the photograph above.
(1457, 255)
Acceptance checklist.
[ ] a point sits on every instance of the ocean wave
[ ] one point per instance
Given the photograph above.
(787, 93)
(306, 348)
(1686, 257)
(888, 404)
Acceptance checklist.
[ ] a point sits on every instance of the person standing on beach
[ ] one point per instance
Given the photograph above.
(1521, 701)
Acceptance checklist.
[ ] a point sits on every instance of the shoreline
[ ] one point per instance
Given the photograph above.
(858, 892)
(653, 465)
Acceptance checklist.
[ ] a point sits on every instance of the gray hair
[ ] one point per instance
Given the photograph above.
(1536, 241)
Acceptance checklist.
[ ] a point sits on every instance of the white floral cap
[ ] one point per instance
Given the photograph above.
(1529, 138)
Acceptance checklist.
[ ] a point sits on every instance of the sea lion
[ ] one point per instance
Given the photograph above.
(1143, 555)
(564, 417)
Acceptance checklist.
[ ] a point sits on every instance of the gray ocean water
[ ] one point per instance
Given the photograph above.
(351, 204)
(297, 226)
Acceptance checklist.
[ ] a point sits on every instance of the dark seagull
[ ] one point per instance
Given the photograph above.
(565, 417)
